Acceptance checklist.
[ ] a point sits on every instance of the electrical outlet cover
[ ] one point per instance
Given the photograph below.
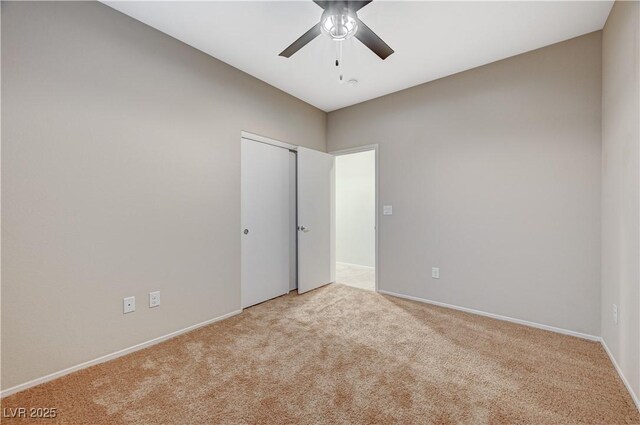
(154, 299)
(129, 305)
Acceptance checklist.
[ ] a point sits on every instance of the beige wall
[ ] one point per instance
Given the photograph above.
(621, 187)
(494, 176)
(120, 175)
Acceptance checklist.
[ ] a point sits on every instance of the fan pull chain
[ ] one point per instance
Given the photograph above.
(339, 60)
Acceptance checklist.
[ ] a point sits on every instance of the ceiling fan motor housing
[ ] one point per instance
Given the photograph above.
(339, 22)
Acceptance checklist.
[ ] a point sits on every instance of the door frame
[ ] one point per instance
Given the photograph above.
(365, 148)
(267, 140)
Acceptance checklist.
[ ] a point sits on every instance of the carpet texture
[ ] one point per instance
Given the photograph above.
(342, 355)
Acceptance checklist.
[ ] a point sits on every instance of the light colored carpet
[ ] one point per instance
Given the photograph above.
(357, 276)
(341, 355)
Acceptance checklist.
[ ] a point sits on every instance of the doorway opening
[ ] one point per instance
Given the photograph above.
(355, 217)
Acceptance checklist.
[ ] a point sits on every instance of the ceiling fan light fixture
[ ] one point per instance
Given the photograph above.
(339, 24)
(339, 21)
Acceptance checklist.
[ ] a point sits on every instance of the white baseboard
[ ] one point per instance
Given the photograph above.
(624, 379)
(495, 316)
(151, 342)
(533, 325)
(111, 356)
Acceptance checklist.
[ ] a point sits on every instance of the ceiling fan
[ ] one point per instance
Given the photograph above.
(340, 22)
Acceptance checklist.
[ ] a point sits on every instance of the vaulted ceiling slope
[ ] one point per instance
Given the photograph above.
(431, 39)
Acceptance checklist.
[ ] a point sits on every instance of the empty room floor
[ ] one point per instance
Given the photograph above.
(344, 355)
(362, 277)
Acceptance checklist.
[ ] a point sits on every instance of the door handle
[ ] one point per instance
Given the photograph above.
(304, 229)
(246, 231)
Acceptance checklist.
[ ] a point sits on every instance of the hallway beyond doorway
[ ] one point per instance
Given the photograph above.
(362, 277)
(355, 218)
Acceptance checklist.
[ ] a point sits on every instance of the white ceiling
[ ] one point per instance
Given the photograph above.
(431, 39)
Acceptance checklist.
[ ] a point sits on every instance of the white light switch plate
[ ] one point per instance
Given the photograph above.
(387, 210)
(435, 272)
(154, 299)
(129, 305)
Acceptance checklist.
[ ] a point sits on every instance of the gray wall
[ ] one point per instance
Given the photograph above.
(621, 187)
(120, 175)
(494, 176)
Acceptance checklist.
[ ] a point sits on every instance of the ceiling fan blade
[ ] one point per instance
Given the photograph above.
(357, 5)
(372, 41)
(322, 3)
(302, 41)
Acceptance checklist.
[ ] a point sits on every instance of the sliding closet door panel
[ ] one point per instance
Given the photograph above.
(316, 241)
(265, 222)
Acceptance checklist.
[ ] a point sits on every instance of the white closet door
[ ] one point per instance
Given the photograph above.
(316, 240)
(265, 222)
